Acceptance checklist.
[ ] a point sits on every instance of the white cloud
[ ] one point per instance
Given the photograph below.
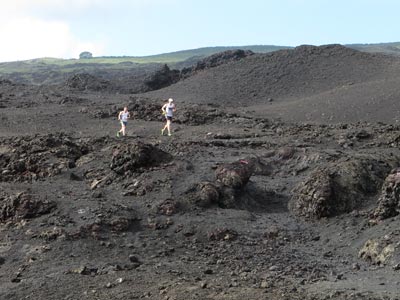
(26, 38)
(75, 5)
(42, 28)
(27, 5)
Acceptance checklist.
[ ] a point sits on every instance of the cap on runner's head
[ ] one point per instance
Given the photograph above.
(170, 100)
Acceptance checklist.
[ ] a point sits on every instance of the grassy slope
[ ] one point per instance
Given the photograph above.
(388, 48)
(68, 65)
(168, 58)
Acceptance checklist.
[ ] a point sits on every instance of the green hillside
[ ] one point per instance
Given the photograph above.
(388, 48)
(169, 58)
(54, 70)
(179, 56)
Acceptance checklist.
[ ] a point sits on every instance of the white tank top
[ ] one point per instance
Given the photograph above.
(124, 117)
(170, 109)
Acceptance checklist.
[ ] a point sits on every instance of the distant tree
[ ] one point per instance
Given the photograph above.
(85, 54)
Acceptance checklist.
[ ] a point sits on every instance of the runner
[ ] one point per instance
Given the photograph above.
(168, 110)
(123, 117)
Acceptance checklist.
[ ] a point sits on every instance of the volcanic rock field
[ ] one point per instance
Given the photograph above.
(281, 180)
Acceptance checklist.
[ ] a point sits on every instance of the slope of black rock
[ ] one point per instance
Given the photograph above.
(85, 81)
(305, 70)
(153, 77)
(162, 78)
(215, 60)
(211, 212)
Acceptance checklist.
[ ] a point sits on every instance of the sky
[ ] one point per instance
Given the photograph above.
(64, 28)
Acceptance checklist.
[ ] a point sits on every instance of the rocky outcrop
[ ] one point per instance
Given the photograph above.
(377, 251)
(338, 188)
(231, 179)
(389, 200)
(216, 60)
(23, 206)
(235, 175)
(26, 159)
(130, 158)
(145, 109)
(85, 81)
(162, 78)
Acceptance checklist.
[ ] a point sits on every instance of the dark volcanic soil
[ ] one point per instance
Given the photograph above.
(307, 84)
(235, 204)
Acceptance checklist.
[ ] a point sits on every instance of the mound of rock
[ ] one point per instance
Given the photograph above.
(85, 81)
(198, 115)
(338, 188)
(231, 180)
(130, 158)
(236, 174)
(26, 159)
(216, 60)
(299, 72)
(389, 200)
(102, 227)
(4, 82)
(23, 206)
(145, 109)
(72, 100)
(165, 76)
(9, 91)
(162, 78)
(379, 251)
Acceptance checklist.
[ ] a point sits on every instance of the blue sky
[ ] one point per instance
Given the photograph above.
(64, 28)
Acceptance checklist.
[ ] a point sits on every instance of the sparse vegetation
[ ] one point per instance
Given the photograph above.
(169, 58)
(54, 69)
(388, 48)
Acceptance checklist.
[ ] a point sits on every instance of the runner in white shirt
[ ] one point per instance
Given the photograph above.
(123, 117)
(168, 110)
